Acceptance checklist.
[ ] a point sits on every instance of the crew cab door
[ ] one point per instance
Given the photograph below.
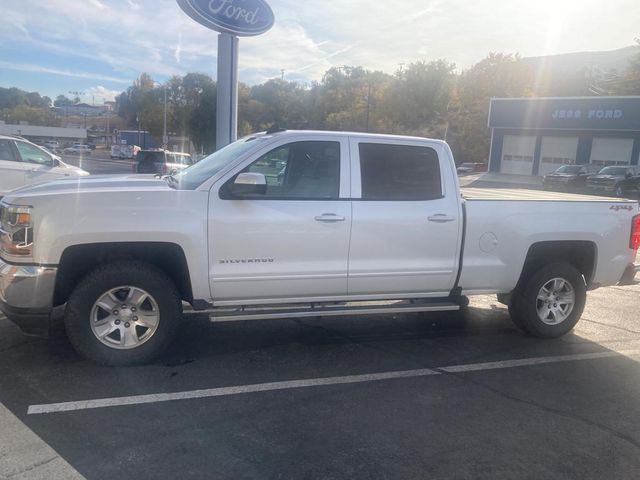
(406, 229)
(292, 241)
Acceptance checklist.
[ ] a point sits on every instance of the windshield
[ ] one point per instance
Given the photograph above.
(192, 177)
(613, 171)
(569, 169)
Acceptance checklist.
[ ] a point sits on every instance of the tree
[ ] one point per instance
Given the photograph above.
(62, 101)
(497, 75)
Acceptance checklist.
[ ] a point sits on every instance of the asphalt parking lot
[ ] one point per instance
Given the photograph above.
(414, 396)
(99, 163)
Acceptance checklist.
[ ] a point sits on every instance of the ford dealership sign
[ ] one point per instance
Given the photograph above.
(237, 17)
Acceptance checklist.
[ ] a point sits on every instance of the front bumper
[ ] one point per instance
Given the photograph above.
(26, 296)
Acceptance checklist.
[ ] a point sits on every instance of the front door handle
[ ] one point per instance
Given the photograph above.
(440, 218)
(329, 218)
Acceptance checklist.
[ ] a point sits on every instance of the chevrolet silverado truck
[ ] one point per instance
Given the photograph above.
(299, 224)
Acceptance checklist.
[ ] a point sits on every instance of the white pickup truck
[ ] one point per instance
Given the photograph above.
(294, 224)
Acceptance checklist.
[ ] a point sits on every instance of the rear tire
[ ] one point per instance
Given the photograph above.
(137, 303)
(549, 301)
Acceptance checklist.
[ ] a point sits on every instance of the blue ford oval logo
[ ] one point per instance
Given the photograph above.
(237, 17)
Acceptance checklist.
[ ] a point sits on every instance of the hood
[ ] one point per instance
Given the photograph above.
(562, 175)
(607, 177)
(77, 170)
(92, 184)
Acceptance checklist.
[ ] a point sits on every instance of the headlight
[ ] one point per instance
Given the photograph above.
(16, 230)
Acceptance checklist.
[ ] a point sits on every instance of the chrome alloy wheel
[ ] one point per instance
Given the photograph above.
(124, 317)
(555, 301)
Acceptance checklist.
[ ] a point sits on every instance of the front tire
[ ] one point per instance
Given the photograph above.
(123, 313)
(549, 301)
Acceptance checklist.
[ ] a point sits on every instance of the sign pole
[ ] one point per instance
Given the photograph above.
(227, 90)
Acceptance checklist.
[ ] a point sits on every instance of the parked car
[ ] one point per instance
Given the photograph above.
(78, 149)
(24, 163)
(52, 145)
(468, 168)
(354, 218)
(629, 187)
(571, 178)
(608, 179)
(161, 162)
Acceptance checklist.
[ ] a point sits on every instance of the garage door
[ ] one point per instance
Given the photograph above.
(611, 151)
(517, 154)
(557, 151)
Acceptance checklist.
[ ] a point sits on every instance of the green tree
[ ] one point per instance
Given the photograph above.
(497, 75)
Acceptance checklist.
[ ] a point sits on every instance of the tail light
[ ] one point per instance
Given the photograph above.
(634, 241)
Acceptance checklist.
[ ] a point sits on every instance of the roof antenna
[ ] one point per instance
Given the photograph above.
(275, 128)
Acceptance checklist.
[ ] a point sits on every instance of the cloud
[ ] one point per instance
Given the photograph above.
(30, 67)
(99, 5)
(178, 49)
(100, 94)
(116, 40)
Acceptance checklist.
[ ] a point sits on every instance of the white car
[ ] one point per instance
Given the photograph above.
(24, 163)
(300, 224)
(52, 145)
(78, 149)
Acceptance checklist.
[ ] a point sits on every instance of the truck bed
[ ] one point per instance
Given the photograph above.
(471, 193)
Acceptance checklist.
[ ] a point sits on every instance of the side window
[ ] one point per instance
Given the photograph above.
(6, 152)
(32, 154)
(304, 170)
(399, 172)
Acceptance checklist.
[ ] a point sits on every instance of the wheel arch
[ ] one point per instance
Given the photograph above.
(581, 254)
(78, 260)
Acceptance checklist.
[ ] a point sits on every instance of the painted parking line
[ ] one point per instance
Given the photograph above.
(24, 455)
(314, 382)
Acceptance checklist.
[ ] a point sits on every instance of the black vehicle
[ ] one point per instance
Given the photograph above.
(161, 161)
(608, 179)
(629, 187)
(569, 177)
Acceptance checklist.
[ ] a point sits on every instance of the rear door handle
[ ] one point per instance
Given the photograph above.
(441, 218)
(329, 218)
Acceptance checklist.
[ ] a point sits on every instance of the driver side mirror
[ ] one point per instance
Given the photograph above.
(249, 183)
(55, 162)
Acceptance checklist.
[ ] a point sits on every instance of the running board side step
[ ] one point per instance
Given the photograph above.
(328, 311)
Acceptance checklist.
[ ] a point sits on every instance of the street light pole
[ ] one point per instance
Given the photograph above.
(165, 139)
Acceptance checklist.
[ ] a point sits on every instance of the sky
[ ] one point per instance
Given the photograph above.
(98, 47)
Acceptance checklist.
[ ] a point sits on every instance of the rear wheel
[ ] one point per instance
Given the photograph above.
(123, 313)
(549, 301)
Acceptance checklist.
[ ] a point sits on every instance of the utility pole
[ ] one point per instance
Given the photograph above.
(368, 104)
(165, 138)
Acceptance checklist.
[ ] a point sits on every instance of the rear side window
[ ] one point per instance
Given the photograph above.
(155, 157)
(6, 152)
(399, 172)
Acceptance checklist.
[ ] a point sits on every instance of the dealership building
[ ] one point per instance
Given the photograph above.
(534, 136)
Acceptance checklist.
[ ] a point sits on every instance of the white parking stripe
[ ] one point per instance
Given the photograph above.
(223, 391)
(530, 361)
(25, 455)
(314, 382)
